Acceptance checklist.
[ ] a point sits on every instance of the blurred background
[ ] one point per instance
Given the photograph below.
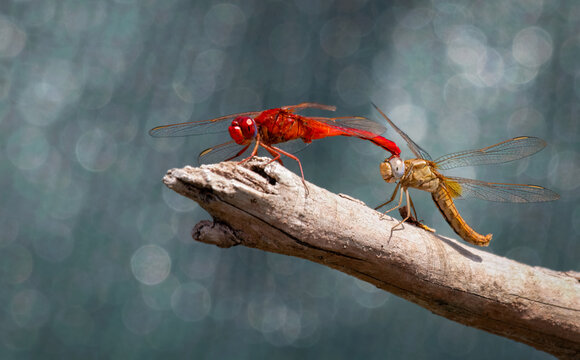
(96, 255)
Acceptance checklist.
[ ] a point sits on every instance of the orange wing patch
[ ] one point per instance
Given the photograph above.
(453, 187)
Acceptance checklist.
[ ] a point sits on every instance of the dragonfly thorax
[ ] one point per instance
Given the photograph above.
(420, 175)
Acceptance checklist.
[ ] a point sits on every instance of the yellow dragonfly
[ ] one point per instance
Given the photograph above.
(423, 173)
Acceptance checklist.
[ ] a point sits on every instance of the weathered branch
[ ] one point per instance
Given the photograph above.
(263, 205)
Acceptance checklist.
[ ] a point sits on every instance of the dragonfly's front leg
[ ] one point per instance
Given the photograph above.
(400, 202)
(392, 197)
(408, 208)
(254, 150)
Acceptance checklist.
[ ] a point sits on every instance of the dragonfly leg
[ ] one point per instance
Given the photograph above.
(392, 197)
(280, 151)
(408, 208)
(413, 207)
(274, 153)
(399, 204)
(254, 150)
(238, 154)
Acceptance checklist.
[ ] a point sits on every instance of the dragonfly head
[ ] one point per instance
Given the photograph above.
(392, 169)
(243, 129)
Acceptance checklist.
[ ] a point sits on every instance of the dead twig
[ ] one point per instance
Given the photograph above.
(263, 205)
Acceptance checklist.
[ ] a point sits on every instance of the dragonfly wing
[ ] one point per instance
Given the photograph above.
(231, 151)
(462, 188)
(351, 124)
(294, 108)
(211, 126)
(416, 149)
(505, 151)
(293, 146)
(225, 151)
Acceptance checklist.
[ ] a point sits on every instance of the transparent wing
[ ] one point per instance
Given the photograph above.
(293, 146)
(416, 149)
(295, 108)
(232, 151)
(462, 188)
(509, 150)
(223, 152)
(210, 126)
(357, 125)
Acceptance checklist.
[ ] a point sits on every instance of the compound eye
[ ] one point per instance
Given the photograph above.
(248, 126)
(397, 167)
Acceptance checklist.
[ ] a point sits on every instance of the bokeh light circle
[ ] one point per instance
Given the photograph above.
(13, 39)
(527, 120)
(414, 119)
(464, 92)
(158, 297)
(96, 150)
(150, 264)
(466, 46)
(565, 170)
(225, 24)
(532, 47)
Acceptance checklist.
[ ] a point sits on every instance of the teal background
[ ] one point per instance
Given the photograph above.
(96, 258)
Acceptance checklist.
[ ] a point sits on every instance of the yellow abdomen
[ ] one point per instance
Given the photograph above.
(447, 208)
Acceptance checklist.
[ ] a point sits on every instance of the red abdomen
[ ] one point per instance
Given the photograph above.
(279, 125)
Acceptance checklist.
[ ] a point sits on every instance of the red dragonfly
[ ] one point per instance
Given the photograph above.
(274, 126)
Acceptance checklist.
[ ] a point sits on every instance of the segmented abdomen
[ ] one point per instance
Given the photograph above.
(447, 208)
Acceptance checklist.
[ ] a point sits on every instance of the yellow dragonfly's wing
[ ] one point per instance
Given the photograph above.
(416, 149)
(509, 150)
(461, 188)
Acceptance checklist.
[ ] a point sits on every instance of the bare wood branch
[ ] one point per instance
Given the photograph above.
(263, 205)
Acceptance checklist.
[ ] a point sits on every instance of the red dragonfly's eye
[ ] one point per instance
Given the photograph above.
(248, 126)
(243, 129)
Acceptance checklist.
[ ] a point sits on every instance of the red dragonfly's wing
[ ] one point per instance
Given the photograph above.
(294, 108)
(416, 149)
(219, 124)
(462, 188)
(232, 151)
(509, 150)
(223, 152)
(350, 124)
(210, 126)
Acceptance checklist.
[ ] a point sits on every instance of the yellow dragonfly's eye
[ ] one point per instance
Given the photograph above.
(397, 167)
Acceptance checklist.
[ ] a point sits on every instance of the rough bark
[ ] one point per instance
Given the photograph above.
(263, 205)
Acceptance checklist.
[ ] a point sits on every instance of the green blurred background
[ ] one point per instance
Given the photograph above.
(96, 258)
